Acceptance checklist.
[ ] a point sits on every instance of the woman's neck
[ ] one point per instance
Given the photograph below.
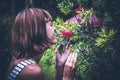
(37, 57)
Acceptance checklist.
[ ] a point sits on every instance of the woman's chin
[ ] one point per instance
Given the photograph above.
(54, 41)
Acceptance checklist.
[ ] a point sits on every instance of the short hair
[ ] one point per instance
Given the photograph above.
(29, 32)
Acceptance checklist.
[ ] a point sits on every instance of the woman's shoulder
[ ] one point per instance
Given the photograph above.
(31, 72)
(25, 70)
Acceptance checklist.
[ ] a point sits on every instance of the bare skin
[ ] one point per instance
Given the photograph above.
(30, 72)
(65, 64)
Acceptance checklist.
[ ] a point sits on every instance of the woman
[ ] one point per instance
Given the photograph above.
(32, 34)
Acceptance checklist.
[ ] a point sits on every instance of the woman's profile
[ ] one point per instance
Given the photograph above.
(32, 34)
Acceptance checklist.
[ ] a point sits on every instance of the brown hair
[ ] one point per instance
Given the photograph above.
(29, 32)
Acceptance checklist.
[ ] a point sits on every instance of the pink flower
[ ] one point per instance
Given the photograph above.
(66, 34)
(83, 23)
(94, 20)
(74, 18)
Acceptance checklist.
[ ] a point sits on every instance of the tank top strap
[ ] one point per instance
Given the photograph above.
(19, 67)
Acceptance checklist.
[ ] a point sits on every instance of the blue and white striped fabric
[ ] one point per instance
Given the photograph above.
(19, 67)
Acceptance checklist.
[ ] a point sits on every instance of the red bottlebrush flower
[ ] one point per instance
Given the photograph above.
(66, 34)
(78, 9)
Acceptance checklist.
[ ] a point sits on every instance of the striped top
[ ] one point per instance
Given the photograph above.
(19, 67)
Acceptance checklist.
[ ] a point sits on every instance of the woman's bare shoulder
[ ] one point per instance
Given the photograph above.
(31, 72)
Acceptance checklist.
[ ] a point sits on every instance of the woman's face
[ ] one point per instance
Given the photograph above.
(50, 31)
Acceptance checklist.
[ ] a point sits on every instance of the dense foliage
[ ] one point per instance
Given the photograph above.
(94, 41)
(91, 41)
(98, 50)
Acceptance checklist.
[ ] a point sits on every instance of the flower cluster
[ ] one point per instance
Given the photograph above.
(87, 16)
(79, 29)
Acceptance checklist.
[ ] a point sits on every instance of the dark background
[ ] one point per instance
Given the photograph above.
(9, 9)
